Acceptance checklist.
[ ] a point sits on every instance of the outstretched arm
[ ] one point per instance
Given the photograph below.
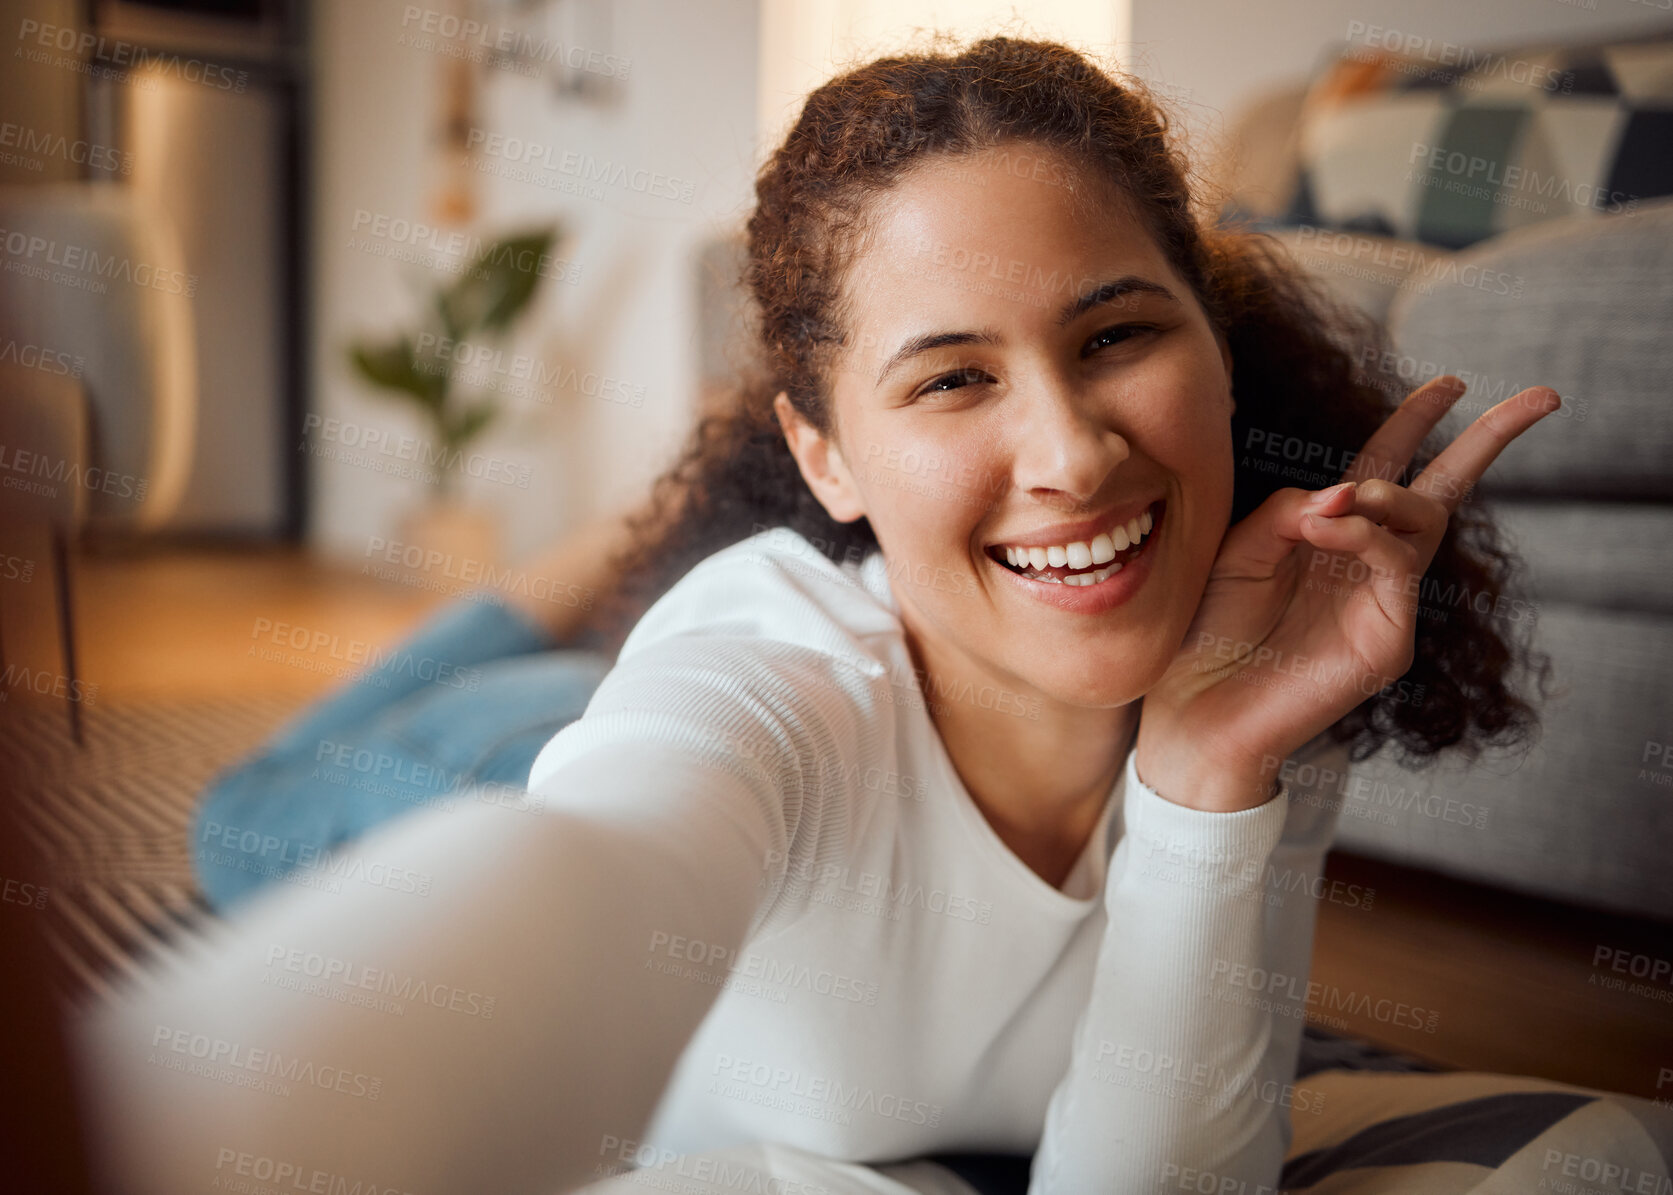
(474, 1009)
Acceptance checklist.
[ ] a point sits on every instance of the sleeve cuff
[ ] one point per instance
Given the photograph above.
(1164, 827)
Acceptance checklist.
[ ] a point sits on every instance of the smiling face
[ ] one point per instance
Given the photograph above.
(1024, 371)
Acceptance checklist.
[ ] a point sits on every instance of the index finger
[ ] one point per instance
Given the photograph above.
(1456, 470)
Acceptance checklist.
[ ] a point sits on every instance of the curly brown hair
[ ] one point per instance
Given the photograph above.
(1306, 369)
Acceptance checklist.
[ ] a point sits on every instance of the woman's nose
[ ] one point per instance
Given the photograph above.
(1064, 443)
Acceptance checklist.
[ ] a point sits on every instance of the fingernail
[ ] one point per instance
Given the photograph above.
(1323, 496)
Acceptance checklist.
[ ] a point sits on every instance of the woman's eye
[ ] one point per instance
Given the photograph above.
(956, 380)
(1117, 334)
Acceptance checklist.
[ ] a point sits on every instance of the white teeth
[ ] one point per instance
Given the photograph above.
(1101, 549)
(1078, 579)
(1093, 577)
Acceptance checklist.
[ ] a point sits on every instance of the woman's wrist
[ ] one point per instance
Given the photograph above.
(1188, 778)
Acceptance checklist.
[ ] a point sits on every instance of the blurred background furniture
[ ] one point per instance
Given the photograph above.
(1517, 233)
(221, 150)
(100, 394)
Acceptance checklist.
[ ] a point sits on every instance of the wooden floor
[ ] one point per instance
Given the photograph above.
(1511, 979)
(202, 623)
(1459, 974)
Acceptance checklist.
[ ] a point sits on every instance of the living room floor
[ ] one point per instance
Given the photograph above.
(1458, 974)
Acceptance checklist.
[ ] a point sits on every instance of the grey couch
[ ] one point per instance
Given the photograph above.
(1584, 304)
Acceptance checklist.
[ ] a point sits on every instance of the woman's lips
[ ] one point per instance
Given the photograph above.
(1091, 575)
(1096, 598)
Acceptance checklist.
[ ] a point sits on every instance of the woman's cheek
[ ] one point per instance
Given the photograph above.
(929, 494)
(1195, 440)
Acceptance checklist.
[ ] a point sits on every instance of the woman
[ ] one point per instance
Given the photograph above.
(932, 807)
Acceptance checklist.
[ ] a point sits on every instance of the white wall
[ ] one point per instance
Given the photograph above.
(806, 42)
(1215, 54)
(687, 110)
(703, 78)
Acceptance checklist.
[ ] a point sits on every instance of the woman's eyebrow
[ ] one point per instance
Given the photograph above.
(1104, 292)
(936, 340)
(1113, 289)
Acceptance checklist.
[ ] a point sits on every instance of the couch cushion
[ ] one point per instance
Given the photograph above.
(1257, 162)
(1607, 555)
(1365, 270)
(1585, 817)
(1446, 144)
(1588, 314)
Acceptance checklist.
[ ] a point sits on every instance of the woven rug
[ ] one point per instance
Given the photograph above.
(110, 820)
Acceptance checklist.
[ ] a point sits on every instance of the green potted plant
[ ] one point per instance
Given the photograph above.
(420, 365)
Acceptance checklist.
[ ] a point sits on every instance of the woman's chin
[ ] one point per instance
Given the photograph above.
(1090, 686)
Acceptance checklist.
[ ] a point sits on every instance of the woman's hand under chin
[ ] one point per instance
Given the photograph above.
(1311, 606)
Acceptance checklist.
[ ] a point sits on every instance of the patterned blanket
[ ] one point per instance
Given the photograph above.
(1392, 1127)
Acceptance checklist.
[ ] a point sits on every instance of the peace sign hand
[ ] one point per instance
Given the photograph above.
(1291, 634)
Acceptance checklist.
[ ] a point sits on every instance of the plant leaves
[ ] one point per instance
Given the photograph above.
(487, 297)
(497, 285)
(394, 365)
(468, 424)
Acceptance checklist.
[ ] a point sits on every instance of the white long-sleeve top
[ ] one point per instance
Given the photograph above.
(756, 904)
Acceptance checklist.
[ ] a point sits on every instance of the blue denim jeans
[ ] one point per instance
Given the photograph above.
(458, 711)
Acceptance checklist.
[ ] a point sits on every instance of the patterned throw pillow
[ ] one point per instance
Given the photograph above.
(1432, 141)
